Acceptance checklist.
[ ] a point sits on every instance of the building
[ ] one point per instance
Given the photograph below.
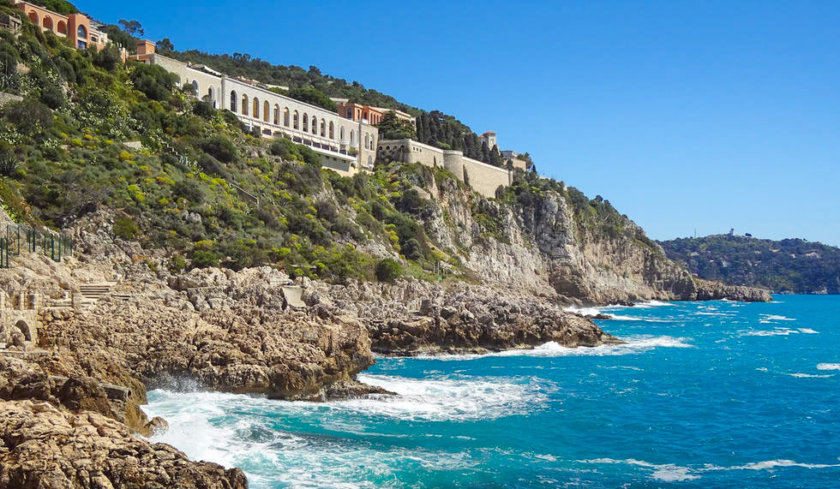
(346, 146)
(488, 138)
(76, 27)
(10, 22)
(373, 115)
(481, 177)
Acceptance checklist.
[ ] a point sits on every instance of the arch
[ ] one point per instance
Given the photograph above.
(341, 133)
(367, 141)
(48, 22)
(233, 100)
(276, 115)
(332, 130)
(62, 27)
(24, 328)
(244, 104)
(305, 123)
(195, 86)
(314, 125)
(210, 97)
(296, 120)
(33, 16)
(256, 112)
(286, 116)
(352, 137)
(266, 111)
(323, 128)
(81, 32)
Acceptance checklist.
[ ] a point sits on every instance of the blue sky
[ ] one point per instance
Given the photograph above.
(686, 115)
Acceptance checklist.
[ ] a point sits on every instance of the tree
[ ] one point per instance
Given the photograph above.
(132, 27)
(388, 270)
(392, 127)
(165, 45)
(29, 116)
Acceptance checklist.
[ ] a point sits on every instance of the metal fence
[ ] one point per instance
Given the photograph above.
(19, 238)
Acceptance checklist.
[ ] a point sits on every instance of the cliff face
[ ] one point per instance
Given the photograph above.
(542, 243)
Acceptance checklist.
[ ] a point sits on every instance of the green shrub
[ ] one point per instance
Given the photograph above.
(204, 259)
(125, 228)
(177, 264)
(153, 80)
(220, 148)
(388, 270)
(204, 109)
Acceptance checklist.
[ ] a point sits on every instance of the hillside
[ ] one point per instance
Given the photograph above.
(786, 266)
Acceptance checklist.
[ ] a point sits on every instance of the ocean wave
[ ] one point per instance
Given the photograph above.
(662, 472)
(828, 366)
(772, 318)
(679, 473)
(451, 399)
(779, 332)
(811, 376)
(652, 303)
(632, 345)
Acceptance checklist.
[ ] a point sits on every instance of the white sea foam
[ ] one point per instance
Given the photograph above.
(811, 376)
(653, 303)
(828, 366)
(662, 472)
(632, 345)
(677, 473)
(448, 399)
(771, 318)
(583, 311)
(779, 332)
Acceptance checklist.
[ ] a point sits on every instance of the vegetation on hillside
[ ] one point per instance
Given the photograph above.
(786, 266)
(192, 182)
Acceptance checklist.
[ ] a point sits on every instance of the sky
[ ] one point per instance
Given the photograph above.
(688, 116)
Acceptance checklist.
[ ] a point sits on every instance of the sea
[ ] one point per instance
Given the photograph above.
(702, 395)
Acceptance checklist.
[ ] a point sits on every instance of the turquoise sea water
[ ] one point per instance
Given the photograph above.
(714, 394)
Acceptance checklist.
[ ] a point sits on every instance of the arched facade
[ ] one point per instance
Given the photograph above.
(25, 329)
(233, 100)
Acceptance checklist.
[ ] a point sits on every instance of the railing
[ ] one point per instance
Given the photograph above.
(49, 243)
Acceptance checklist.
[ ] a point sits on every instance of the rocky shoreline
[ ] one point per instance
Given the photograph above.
(81, 385)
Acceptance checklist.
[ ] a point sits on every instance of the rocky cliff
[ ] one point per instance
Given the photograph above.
(542, 237)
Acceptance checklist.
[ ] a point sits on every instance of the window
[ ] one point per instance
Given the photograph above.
(305, 122)
(256, 111)
(267, 111)
(81, 32)
(349, 113)
(233, 100)
(297, 125)
(286, 117)
(244, 104)
(332, 130)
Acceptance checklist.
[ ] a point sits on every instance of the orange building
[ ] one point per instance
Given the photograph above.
(359, 112)
(74, 26)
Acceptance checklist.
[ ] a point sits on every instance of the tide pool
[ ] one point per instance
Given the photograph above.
(703, 394)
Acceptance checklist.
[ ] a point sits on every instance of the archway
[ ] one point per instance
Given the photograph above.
(195, 87)
(332, 130)
(314, 125)
(233, 99)
(62, 27)
(24, 328)
(34, 17)
(352, 137)
(323, 128)
(266, 111)
(276, 115)
(296, 120)
(244, 104)
(48, 23)
(286, 116)
(305, 122)
(256, 112)
(81, 32)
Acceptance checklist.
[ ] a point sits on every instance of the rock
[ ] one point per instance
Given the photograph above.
(48, 448)
(156, 426)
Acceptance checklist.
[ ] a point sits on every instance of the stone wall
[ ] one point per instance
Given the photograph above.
(482, 178)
